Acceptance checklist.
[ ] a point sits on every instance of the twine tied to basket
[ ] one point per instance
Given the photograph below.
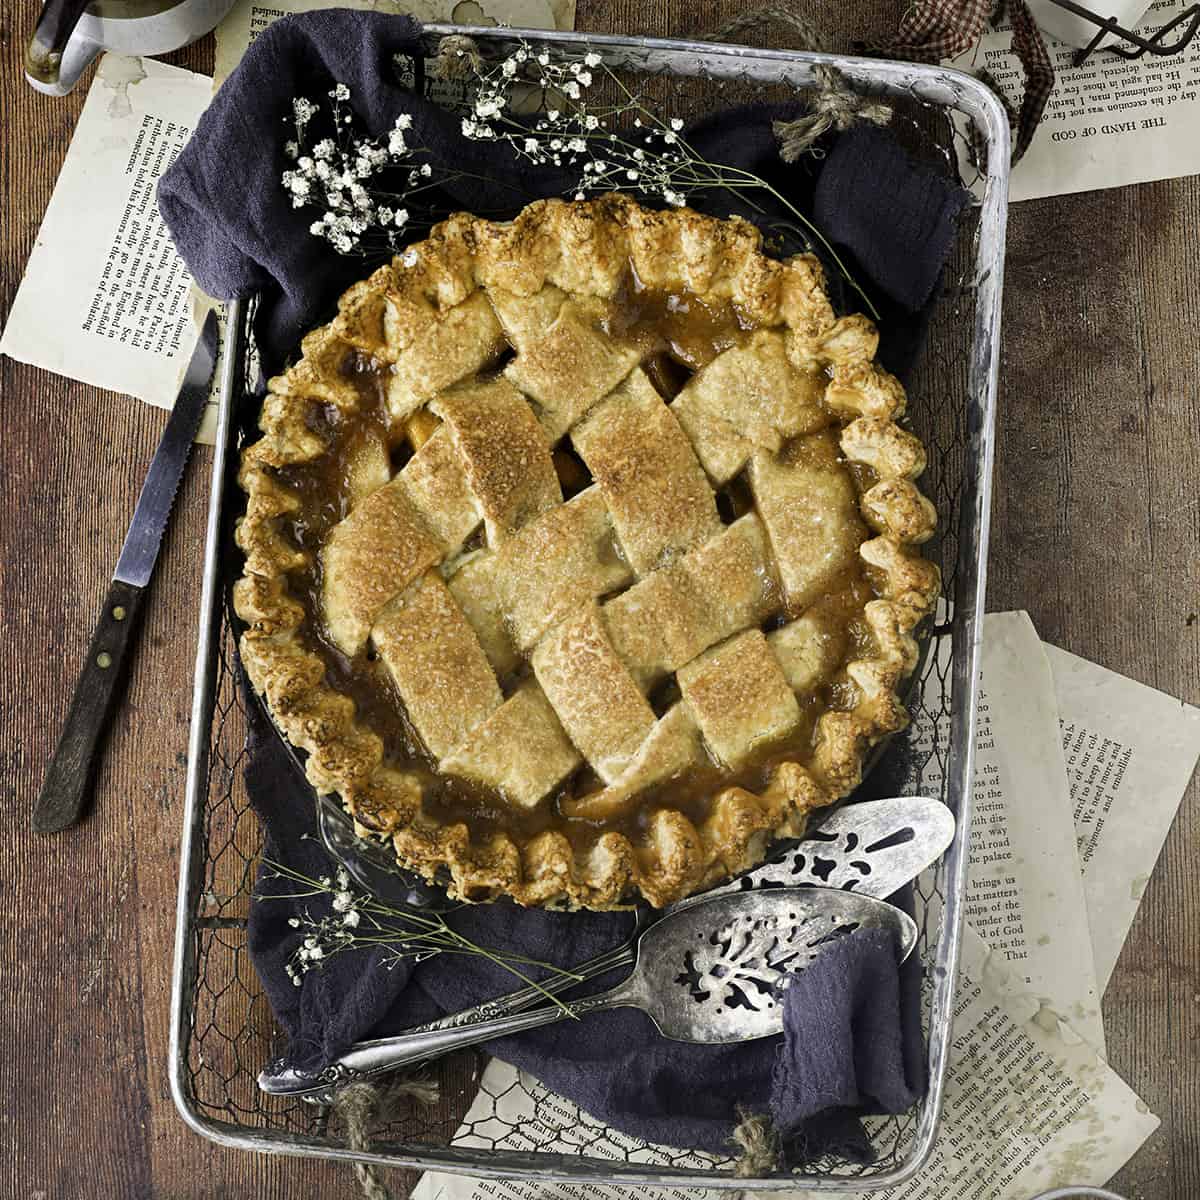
(359, 1106)
(457, 56)
(834, 103)
(758, 1138)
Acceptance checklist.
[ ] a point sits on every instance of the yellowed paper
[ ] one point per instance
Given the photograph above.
(1130, 752)
(248, 18)
(1110, 122)
(1025, 893)
(1029, 1106)
(105, 298)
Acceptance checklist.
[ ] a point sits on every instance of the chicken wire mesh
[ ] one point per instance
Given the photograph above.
(224, 1030)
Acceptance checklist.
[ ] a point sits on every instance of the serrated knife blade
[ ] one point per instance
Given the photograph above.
(69, 777)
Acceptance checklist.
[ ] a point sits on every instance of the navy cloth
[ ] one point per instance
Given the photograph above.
(852, 1041)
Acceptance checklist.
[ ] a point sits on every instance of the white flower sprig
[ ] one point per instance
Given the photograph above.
(605, 144)
(333, 174)
(352, 920)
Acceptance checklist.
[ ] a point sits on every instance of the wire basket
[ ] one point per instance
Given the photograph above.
(222, 1027)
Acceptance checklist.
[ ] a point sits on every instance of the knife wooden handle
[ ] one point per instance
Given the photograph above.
(69, 779)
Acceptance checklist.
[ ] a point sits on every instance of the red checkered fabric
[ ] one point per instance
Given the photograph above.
(933, 30)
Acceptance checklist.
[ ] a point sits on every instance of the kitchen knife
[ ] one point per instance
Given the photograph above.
(68, 781)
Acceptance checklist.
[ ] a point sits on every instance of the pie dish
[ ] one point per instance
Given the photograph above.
(581, 553)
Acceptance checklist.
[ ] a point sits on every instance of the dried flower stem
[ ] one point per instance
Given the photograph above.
(614, 146)
(357, 920)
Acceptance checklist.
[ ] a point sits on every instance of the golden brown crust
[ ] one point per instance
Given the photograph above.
(421, 317)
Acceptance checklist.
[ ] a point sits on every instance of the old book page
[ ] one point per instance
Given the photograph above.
(1025, 893)
(105, 298)
(1130, 752)
(1110, 122)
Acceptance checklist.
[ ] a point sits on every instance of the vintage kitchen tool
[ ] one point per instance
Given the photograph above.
(712, 971)
(70, 33)
(872, 848)
(1111, 25)
(68, 780)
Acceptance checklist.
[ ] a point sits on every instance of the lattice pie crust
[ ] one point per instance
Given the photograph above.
(564, 619)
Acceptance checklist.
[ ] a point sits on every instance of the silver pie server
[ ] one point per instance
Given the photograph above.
(872, 848)
(713, 971)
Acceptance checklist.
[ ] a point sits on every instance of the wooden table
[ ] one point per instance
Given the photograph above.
(1095, 532)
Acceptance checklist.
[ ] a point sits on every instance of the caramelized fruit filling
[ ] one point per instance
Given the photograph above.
(678, 333)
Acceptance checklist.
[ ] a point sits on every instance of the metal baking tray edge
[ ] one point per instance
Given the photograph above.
(932, 83)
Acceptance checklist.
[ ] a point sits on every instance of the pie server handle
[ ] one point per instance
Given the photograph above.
(68, 781)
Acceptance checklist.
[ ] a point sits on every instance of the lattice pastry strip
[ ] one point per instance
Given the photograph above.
(593, 693)
(437, 664)
(372, 556)
(809, 506)
(465, 339)
(521, 749)
(547, 570)
(751, 396)
(717, 589)
(657, 495)
(506, 455)
(570, 368)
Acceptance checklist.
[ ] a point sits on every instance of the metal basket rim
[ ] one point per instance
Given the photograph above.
(957, 90)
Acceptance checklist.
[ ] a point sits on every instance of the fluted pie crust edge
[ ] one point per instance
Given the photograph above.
(586, 249)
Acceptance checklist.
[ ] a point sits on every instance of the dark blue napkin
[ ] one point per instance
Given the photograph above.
(853, 1041)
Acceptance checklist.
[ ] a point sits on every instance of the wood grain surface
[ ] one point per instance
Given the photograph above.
(1096, 528)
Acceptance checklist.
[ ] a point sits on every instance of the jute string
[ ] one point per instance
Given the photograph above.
(361, 1106)
(834, 104)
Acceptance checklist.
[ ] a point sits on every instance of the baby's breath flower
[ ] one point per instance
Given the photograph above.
(409, 258)
(336, 174)
(351, 918)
